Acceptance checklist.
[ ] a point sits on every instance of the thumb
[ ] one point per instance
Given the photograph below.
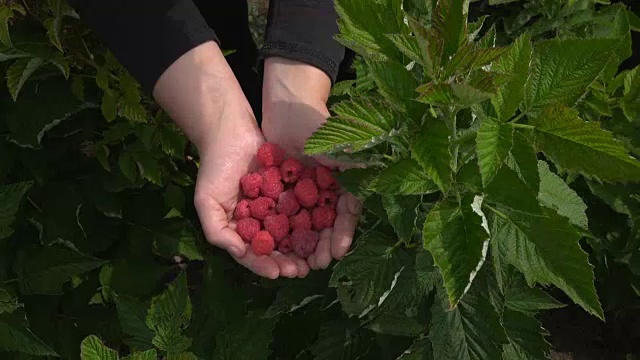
(215, 225)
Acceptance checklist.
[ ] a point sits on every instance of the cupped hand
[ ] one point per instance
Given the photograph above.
(294, 107)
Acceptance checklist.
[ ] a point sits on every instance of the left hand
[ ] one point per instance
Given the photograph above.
(294, 107)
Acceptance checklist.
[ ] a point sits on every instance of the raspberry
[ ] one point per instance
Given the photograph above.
(272, 189)
(323, 217)
(261, 207)
(284, 245)
(328, 198)
(277, 226)
(270, 154)
(242, 210)
(290, 170)
(300, 221)
(306, 192)
(287, 203)
(308, 173)
(324, 178)
(262, 243)
(304, 242)
(271, 173)
(251, 184)
(247, 228)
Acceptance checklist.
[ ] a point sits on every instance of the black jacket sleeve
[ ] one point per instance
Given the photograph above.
(304, 30)
(146, 36)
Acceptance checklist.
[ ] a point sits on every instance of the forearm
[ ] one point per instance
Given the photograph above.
(290, 80)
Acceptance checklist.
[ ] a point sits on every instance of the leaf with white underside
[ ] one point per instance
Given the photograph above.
(556, 194)
(430, 147)
(19, 72)
(10, 199)
(405, 177)
(359, 123)
(584, 147)
(493, 143)
(364, 278)
(455, 236)
(561, 70)
(514, 65)
(92, 348)
(472, 331)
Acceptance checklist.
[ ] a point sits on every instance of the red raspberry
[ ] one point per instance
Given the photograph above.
(270, 173)
(251, 184)
(308, 173)
(270, 154)
(277, 226)
(323, 217)
(306, 192)
(328, 198)
(302, 220)
(247, 228)
(290, 170)
(287, 203)
(304, 242)
(242, 210)
(284, 245)
(261, 207)
(324, 178)
(262, 243)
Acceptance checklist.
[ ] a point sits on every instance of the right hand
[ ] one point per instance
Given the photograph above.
(201, 94)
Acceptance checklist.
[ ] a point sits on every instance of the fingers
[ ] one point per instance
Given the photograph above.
(347, 214)
(215, 225)
(288, 267)
(264, 266)
(322, 256)
(303, 267)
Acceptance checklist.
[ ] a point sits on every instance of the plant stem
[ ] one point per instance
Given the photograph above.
(517, 118)
(453, 127)
(523, 126)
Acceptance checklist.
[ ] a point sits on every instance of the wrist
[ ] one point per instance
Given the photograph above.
(294, 81)
(201, 94)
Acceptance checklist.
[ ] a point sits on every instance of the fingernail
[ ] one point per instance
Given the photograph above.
(355, 206)
(235, 251)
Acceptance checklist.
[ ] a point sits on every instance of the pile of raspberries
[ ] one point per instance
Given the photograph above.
(285, 204)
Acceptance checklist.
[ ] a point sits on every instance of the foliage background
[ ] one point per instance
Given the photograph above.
(101, 253)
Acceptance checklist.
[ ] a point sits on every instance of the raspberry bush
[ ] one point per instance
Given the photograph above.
(500, 192)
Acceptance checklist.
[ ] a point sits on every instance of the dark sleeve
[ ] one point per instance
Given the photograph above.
(146, 36)
(304, 30)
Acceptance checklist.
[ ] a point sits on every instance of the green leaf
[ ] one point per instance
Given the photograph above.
(146, 355)
(15, 335)
(173, 142)
(634, 21)
(366, 276)
(557, 195)
(409, 46)
(471, 331)
(584, 147)
(10, 198)
(183, 356)
(493, 143)
(132, 314)
(514, 65)
(363, 27)
(359, 123)
(430, 147)
(8, 303)
(149, 167)
(402, 214)
(405, 177)
(296, 295)
(455, 236)
(395, 83)
(245, 339)
(169, 316)
(561, 70)
(53, 26)
(526, 299)
(523, 160)
(128, 166)
(526, 337)
(6, 13)
(630, 102)
(419, 350)
(339, 340)
(92, 348)
(43, 270)
(450, 18)
(545, 249)
(178, 239)
(133, 111)
(109, 106)
(19, 72)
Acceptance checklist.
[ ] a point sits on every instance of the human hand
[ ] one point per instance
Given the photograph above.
(294, 107)
(201, 94)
